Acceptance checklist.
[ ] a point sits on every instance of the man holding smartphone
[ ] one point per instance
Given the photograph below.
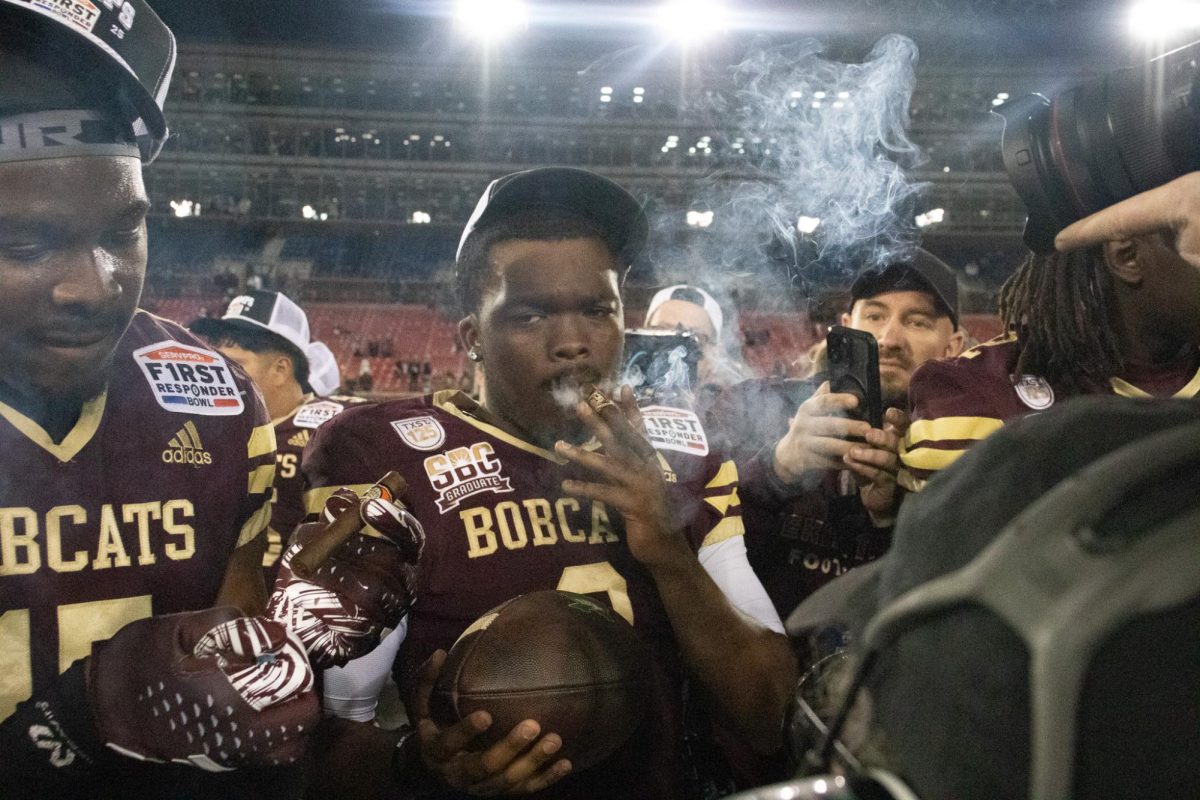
(819, 491)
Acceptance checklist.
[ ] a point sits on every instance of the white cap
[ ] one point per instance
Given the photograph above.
(324, 375)
(690, 294)
(273, 311)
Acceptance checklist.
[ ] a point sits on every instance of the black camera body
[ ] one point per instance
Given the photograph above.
(1103, 141)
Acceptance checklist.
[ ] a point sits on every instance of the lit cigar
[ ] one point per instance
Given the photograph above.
(343, 526)
(598, 401)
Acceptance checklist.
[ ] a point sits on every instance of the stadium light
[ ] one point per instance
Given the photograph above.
(492, 19)
(692, 21)
(308, 212)
(1160, 19)
(931, 217)
(421, 218)
(185, 208)
(807, 225)
(699, 219)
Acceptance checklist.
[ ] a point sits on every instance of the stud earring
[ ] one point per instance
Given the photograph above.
(473, 354)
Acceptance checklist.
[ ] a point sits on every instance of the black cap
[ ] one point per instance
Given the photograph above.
(584, 193)
(929, 270)
(127, 36)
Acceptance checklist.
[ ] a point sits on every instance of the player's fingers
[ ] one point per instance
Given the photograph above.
(425, 680)
(445, 743)
(619, 426)
(522, 768)
(612, 496)
(499, 757)
(1159, 209)
(864, 475)
(545, 777)
(599, 465)
(600, 429)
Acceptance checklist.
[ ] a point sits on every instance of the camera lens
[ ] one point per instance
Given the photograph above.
(1103, 141)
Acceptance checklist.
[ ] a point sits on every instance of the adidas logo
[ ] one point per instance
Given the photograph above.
(185, 447)
(300, 439)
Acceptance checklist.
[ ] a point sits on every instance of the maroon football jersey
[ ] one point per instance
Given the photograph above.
(136, 511)
(498, 524)
(293, 432)
(958, 401)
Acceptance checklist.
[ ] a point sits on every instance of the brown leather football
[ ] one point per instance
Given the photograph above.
(559, 658)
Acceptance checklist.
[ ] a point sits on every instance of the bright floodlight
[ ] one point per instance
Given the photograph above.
(421, 218)
(1159, 19)
(492, 19)
(699, 219)
(692, 20)
(807, 225)
(931, 217)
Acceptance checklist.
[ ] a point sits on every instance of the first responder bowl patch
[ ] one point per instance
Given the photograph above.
(190, 380)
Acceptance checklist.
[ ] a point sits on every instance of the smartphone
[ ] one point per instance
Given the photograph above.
(660, 363)
(854, 369)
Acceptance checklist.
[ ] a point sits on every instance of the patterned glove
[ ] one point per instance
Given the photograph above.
(212, 689)
(364, 587)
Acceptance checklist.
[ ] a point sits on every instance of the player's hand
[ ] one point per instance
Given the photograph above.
(1173, 208)
(212, 689)
(875, 465)
(816, 440)
(364, 587)
(521, 763)
(625, 474)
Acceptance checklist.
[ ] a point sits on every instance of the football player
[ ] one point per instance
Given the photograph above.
(136, 461)
(1118, 317)
(534, 489)
(268, 336)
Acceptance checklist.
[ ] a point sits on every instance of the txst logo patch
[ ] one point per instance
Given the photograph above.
(189, 380)
(463, 472)
(675, 429)
(1034, 392)
(421, 433)
(314, 415)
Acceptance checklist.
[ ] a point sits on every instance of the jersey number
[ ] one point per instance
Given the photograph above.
(599, 578)
(79, 624)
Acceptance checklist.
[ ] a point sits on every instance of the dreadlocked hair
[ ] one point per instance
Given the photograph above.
(1062, 310)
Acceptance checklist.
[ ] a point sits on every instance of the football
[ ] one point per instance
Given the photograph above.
(559, 658)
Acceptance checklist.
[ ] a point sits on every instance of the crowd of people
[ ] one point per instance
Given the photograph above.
(167, 628)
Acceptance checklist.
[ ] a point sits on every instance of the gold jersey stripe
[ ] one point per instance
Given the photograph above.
(78, 438)
(1127, 389)
(952, 429)
(314, 499)
(81, 624)
(909, 481)
(262, 441)
(256, 525)
(727, 528)
(929, 459)
(726, 475)
(446, 400)
(261, 478)
(1003, 338)
(724, 502)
